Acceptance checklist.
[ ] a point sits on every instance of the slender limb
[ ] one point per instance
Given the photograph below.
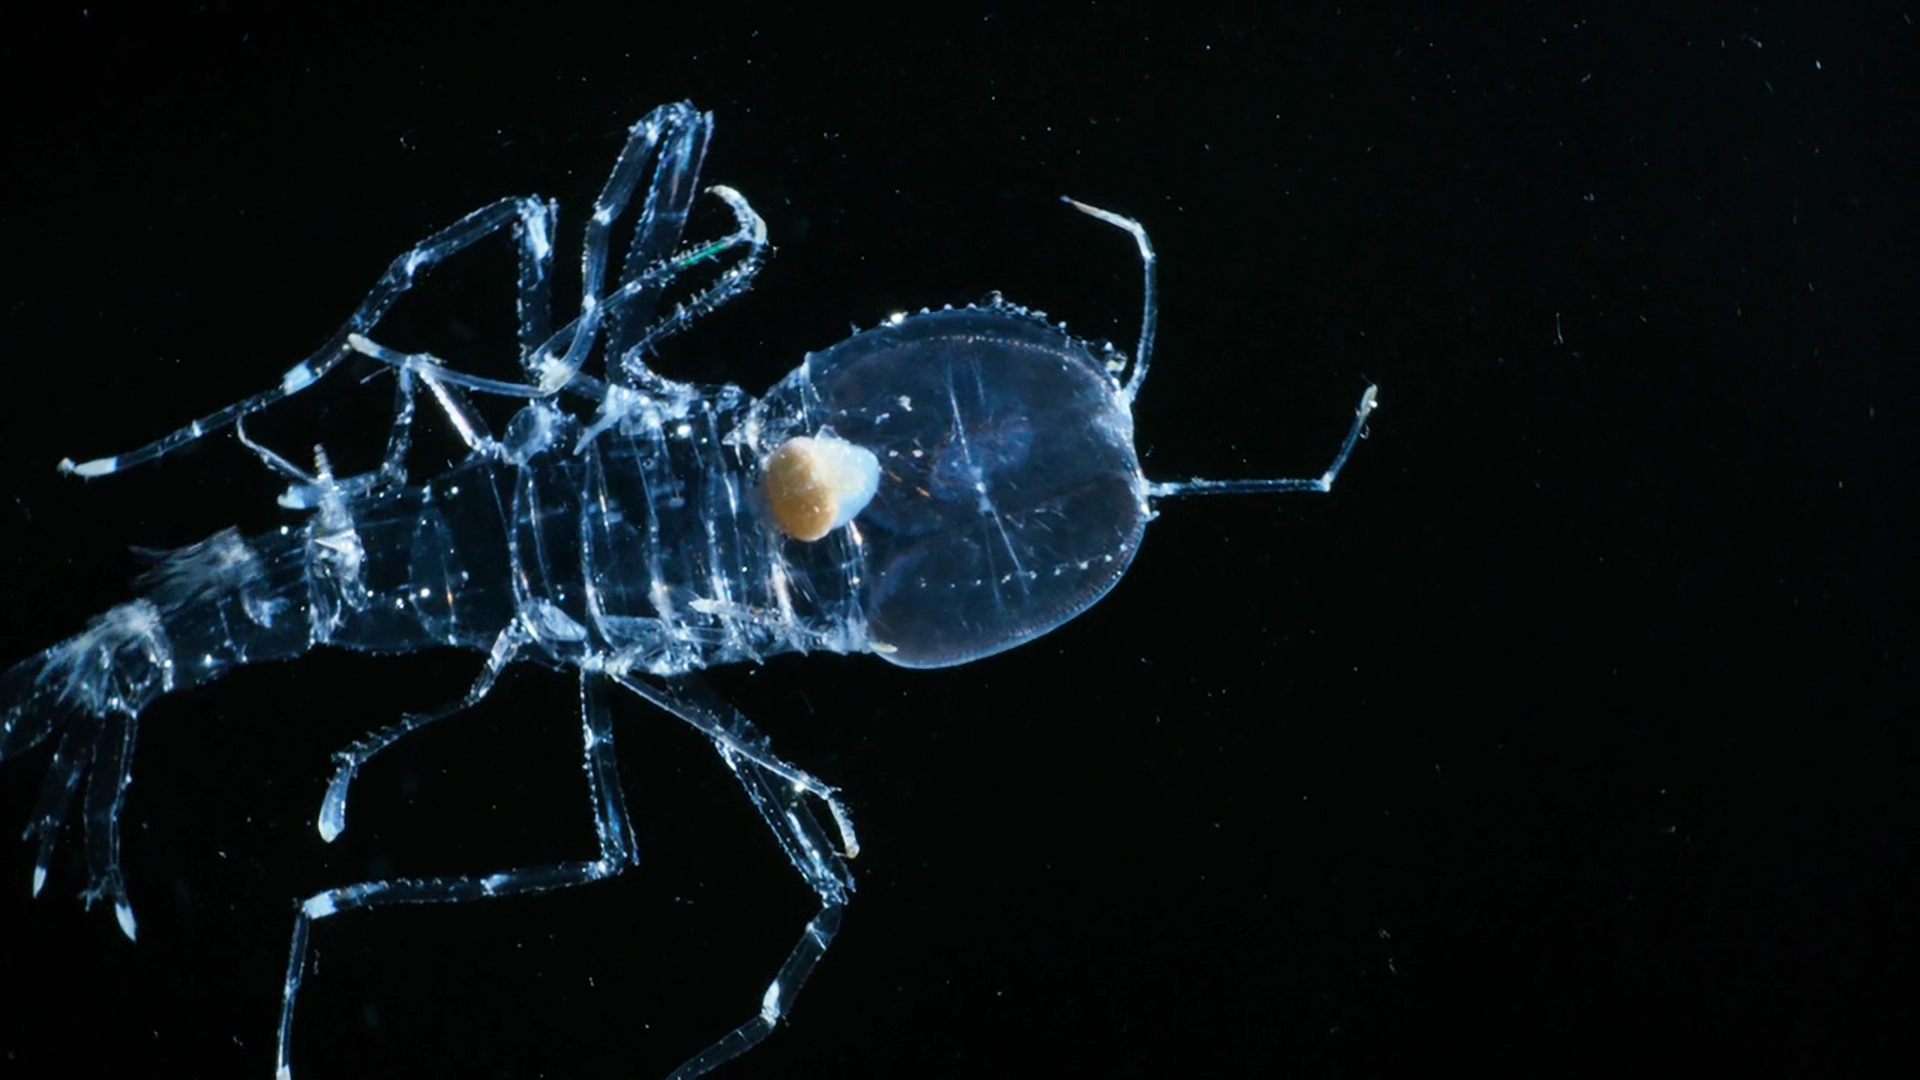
(750, 230)
(612, 828)
(662, 220)
(675, 137)
(535, 294)
(471, 426)
(558, 362)
(1149, 306)
(1322, 483)
(434, 370)
(779, 792)
(306, 491)
(807, 845)
(611, 825)
(731, 731)
(393, 464)
(530, 215)
(445, 384)
(551, 368)
(392, 473)
(98, 681)
(71, 755)
(107, 780)
(333, 808)
(551, 360)
(555, 364)
(301, 478)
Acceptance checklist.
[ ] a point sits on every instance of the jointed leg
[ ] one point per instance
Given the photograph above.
(556, 361)
(629, 360)
(333, 808)
(662, 220)
(610, 823)
(779, 791)
(532, 218)
(675, 138)
(793, 825)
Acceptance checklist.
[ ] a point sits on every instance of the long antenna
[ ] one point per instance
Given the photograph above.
(1143, 355)
(1168, 489)
(1149, 307)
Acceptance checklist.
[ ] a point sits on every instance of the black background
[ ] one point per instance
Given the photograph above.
(1568, 735)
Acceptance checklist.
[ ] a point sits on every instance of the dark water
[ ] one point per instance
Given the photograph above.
(1569, 733)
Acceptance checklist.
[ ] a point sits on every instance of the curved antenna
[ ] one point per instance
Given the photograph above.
(1143, 355)
(1149, 306)
(1322, 483)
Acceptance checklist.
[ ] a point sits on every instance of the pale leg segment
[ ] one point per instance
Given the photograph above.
(779, 792)
(612, 828)
(532, 217)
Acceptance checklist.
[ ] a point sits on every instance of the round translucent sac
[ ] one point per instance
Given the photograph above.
(1010, 497)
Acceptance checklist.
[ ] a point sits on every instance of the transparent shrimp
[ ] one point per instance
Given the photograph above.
(935, 490)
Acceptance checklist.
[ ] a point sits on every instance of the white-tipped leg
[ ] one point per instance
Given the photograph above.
(72, 755)
(806, 844)
(107, 780)
(532, 219)
(100, 749)
(780, 793)
(332, 820)
(611, 825)
(691, 701)
(750, 231)
(675, 137)
(555, 362)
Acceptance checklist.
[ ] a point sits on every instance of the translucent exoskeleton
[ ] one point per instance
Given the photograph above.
(935, 490)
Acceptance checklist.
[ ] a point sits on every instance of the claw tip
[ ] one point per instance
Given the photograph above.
(87, 470)
(333, 817)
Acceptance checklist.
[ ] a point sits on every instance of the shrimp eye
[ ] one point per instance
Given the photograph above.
(815, 484)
